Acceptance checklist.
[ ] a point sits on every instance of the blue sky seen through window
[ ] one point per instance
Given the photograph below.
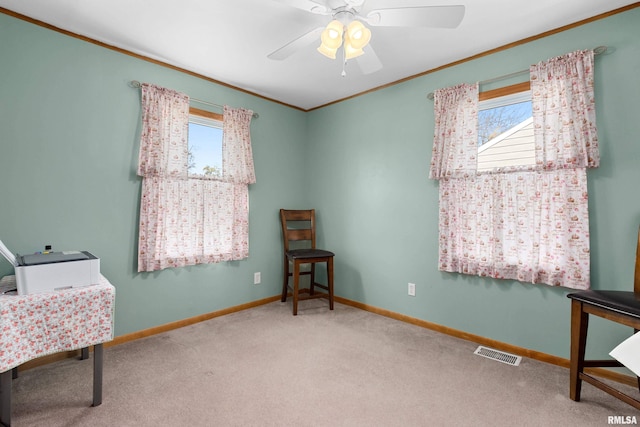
(205, 149)
(494, 121)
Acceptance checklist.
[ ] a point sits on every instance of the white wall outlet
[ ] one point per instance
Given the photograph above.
(412, 289)
(256, 278)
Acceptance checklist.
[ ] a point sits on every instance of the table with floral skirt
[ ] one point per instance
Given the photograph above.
(40, 324)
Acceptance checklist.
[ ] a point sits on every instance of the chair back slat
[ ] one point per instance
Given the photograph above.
(636, 277)
(297, 215)
(298, 234)
(303, 230)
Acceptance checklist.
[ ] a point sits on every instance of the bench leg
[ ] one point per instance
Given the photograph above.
(579, 325)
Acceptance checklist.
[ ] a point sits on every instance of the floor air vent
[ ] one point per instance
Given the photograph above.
(500, 356)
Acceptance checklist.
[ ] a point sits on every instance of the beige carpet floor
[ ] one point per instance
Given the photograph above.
(265, 367)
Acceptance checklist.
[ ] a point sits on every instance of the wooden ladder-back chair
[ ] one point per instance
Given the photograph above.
(300, 226)
(617, 306)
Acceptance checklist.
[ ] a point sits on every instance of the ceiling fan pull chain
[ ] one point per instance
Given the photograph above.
(344, 63)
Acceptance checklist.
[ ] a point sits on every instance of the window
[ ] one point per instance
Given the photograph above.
(505, 128)
(187, 219)
(205, 144)
(529, 223)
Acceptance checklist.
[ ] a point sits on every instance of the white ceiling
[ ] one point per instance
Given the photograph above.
(229, 40)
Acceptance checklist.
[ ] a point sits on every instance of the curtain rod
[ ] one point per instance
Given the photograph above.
(597, 51)
(137, 84)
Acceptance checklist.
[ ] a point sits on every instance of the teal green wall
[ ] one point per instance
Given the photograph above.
(380, 210)
(69, 129)
(69, 137)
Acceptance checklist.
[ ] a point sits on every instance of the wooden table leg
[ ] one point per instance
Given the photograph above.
(5, 397)
(98, 353)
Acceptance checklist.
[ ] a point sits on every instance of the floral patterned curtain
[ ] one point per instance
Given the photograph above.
(529, 225)
(566, 139)
(187, 221)
(237, 157)
(564, 112)
(455, 143)
(165, 129)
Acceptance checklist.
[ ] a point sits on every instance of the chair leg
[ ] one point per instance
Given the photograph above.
(285, 280)
(579, 325)
(296, 285)
(330, 281)
(313, 278)
(635, 331)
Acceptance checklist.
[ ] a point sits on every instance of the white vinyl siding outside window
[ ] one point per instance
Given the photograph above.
(505, 132)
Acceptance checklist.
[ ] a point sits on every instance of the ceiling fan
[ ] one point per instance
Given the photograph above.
(347, 29)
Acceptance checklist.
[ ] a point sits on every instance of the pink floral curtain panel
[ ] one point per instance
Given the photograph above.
(237, 157)
(187, 221)
(530, 225)
(564, 112)
(165, 128)
(455, 141)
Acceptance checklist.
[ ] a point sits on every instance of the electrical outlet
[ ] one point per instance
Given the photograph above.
(412, 289)
(256, 278)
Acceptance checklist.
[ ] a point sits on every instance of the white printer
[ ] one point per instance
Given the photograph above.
(49, 271)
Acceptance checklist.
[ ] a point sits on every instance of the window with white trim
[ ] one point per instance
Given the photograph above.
(505, 130)
(205, 144)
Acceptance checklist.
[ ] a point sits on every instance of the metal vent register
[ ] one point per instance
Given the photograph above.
(500, 356)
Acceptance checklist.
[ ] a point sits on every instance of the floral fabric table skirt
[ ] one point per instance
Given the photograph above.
(40, 324)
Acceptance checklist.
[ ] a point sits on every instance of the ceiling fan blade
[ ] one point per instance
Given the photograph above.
(369, 62)
(308, 5)
(296, 44)
(420, 16)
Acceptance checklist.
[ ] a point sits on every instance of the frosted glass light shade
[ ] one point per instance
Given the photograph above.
(355, 37)
(327, 51)
(350, 52)
(358, 34)
(332, 35)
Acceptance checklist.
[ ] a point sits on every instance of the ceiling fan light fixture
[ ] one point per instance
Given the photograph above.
(331, 38)
(351, 52)
(327, 51)
(358, 35)
(332, 35)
